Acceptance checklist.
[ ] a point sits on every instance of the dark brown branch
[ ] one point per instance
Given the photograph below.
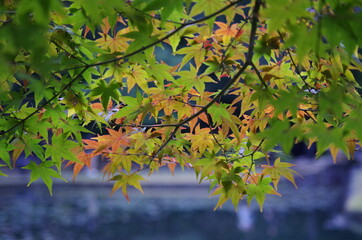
(187, 103)
(311, 117)
(254, 23)
(86, 66)
(252, 157)
(165, 143)
(254, 26)
(223, 57)
(69, 53)
(163, 38)
(258, 74)
(213, 135)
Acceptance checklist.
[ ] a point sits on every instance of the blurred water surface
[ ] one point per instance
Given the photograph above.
(88, 212)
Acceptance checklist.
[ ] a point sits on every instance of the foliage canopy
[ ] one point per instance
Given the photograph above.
(242, 78)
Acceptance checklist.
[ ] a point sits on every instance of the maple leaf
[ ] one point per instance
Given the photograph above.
(117, 43)
(230, 190)
(195, 121)
(105, 26)
(259, 190)
(61, 149)
(84, 158)
(123, 181)
(227, 33)
(44, 172)
(112, 140)
(280, 169)
(206, 6)
(195, 52)
(120, 160)
(136, 75)
(202, 140)
(96, 146)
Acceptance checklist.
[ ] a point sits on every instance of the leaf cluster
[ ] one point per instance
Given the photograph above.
(282, 73)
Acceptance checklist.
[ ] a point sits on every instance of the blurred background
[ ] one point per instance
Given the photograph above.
(326, 205)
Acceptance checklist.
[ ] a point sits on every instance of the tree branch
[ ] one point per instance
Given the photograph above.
(294, 64)
(86, 66)
(22, 121)
(254, 23)
(163, 38)
(258, 74)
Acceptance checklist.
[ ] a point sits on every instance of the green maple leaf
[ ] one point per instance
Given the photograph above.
(123, 181)
(107, 91)
(43, 171)
(60, 149)
(259, 190)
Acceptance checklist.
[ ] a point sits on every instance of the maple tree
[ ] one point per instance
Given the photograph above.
(69, 68)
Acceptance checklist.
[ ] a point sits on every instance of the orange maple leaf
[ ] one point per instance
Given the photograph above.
(113, 140)
(226, 33)
(84, 158)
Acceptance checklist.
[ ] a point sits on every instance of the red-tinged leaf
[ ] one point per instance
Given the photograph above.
(96, 146)
(115, 139)
(227, 33)
(171, 166)
(105, 26)
(85, 160)
(111, 141)
(19, 148)
(86, 31)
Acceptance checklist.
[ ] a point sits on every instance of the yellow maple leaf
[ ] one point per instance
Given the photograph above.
(201, 140)
(117, 43)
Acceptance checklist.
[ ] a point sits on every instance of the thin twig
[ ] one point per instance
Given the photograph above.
(87, 66)
(254, 23)
(223, 57)
(252, 157)
(69, 53)
(161, 39)
(187, 103)
(213, 135)
(295, 65)
(258, 74)
(311, 117)
(68, 85)
(254, 26)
